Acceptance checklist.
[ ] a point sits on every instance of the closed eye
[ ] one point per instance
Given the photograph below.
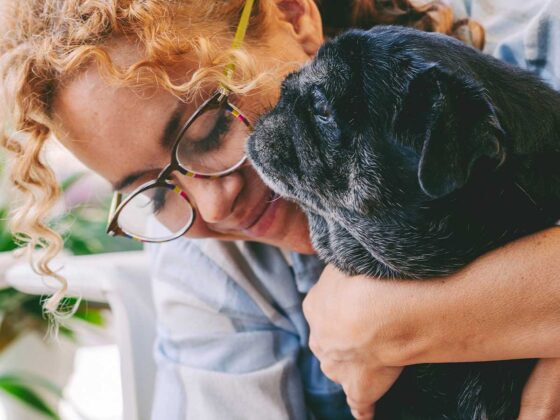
(324, 117)
(322, 108)
(206, 134)
(212, 141)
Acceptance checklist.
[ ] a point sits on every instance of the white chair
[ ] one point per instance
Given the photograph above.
(123, 281)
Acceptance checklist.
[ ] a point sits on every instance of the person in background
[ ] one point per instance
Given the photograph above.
(116, 81)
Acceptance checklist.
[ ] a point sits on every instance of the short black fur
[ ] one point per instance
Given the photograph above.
(412, 154)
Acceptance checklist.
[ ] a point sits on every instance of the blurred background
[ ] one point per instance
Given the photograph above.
(77, 375)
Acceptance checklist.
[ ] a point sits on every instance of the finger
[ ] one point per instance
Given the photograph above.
(314, 345)
(362, 390)
(331, 369)
(368, 386)
(360, 405)
(364, 414)
(360, 399)
(360, 409)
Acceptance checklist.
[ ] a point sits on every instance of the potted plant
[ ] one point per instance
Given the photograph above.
(21, 316)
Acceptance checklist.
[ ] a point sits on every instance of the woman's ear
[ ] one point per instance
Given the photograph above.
(305, 22)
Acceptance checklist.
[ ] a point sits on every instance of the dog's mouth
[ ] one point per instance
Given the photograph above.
(275, 180)
(284, 187)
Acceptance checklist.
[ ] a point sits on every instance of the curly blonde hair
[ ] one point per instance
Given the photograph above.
(45, 42)
(48, 41)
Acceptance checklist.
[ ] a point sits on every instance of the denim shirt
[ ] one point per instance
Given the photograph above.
(232, 339)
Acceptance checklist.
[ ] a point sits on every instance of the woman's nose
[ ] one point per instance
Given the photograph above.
(213, 198)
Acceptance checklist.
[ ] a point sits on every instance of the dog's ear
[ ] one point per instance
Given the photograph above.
(454, 125)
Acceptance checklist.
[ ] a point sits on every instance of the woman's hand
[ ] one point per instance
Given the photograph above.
(505, 305)
(349, 339)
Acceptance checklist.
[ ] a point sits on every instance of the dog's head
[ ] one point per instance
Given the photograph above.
(379, 119)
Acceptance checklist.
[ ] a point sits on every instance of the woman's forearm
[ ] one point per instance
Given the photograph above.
(505, 305)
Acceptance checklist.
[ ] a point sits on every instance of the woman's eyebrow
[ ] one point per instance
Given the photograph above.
(166, 141)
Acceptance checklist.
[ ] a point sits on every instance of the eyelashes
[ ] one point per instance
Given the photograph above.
(323, 111)
(321, 107)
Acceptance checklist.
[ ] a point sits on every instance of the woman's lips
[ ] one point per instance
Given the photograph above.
(263, 222)
(260, 219)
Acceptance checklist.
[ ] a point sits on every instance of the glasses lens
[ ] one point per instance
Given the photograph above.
(214, 142)
(156, 214)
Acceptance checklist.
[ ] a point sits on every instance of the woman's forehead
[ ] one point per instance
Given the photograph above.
(89, 98)
(102, 123)
(92, 97)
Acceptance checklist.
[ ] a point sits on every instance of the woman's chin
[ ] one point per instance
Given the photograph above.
(282, 224)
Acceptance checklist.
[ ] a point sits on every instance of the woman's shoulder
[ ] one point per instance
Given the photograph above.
(525, 33)
(193, 254)
(233, 275)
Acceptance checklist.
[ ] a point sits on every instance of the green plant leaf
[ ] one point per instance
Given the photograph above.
(7, 242)
(71, 180)
(27, 396)
(91, 316)
(25, 378)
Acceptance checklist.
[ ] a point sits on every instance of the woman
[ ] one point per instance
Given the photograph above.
(114, 82)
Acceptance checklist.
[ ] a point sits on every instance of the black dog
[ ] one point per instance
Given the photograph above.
(412, 154)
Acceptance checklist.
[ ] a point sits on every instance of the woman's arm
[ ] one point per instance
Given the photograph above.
(504, 305)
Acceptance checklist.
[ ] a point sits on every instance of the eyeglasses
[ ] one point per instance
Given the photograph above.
(210, 145)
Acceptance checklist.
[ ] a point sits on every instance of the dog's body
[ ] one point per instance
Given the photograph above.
(413, 154)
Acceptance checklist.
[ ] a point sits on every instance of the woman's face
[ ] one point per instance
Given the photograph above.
(120, 133)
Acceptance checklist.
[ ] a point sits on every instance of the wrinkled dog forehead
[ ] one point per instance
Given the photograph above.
(328, 70)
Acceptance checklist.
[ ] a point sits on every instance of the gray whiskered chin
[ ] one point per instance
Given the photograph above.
(279, 186)
(295, 193)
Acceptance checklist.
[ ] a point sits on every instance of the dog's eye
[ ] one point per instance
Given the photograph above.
(323, 110)
(321, 107)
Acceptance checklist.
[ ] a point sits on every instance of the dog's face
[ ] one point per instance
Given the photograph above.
(375, 123)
